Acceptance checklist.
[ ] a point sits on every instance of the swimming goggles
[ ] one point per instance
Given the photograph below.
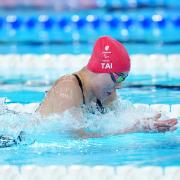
(118, 77)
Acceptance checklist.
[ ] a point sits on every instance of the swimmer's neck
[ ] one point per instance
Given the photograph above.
(86, 79)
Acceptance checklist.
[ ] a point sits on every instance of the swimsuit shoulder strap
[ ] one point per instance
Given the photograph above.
(98, 102)
(80, 85)
(100, 106)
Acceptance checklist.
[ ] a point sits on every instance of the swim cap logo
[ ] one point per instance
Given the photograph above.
(106, 48)
(106, 62)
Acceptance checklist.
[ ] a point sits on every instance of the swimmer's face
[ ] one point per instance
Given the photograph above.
(104, 86)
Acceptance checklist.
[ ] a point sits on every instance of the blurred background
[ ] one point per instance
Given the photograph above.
(72, 26)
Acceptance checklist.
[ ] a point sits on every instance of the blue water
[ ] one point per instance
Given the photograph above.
(135, 149)
(51, 147)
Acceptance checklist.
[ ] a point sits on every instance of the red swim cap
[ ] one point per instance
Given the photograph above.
(109, 56)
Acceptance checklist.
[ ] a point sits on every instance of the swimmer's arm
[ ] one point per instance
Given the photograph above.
(152, 124)
(80, 133)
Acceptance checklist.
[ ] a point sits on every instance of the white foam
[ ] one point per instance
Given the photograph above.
(175, 110)
(17, 117)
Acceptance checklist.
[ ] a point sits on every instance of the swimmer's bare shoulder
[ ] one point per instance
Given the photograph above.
(64, 94)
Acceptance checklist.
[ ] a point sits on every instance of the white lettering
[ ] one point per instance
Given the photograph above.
(103, 64)
(106, 65)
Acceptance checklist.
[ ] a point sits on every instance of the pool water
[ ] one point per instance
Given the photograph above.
(135, 149)
(51, 143)
(47, 145)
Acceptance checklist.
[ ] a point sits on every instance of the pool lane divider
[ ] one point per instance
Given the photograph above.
(49, 22)
(141, 64)
(80, 172)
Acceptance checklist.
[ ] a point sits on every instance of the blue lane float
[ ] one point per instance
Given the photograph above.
(176, 21)
(14, 21)
(80, 22)
(62, 22)
(145, 22)
(113, 22)
(31, 22)
(1, 22)
(48, 22)
(159, 20)
(95, 21)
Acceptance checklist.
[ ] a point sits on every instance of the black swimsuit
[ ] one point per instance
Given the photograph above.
(98, 102)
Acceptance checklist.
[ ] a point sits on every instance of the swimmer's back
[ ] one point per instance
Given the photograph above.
(63, 95)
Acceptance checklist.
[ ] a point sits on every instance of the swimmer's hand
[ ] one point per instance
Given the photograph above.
(151, 124)
(154, 124)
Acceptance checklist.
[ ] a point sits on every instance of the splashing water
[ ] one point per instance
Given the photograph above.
(124, 116)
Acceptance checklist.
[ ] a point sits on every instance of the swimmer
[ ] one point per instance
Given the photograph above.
(96, 83)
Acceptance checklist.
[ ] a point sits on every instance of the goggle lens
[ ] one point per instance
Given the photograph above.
(118, 77)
